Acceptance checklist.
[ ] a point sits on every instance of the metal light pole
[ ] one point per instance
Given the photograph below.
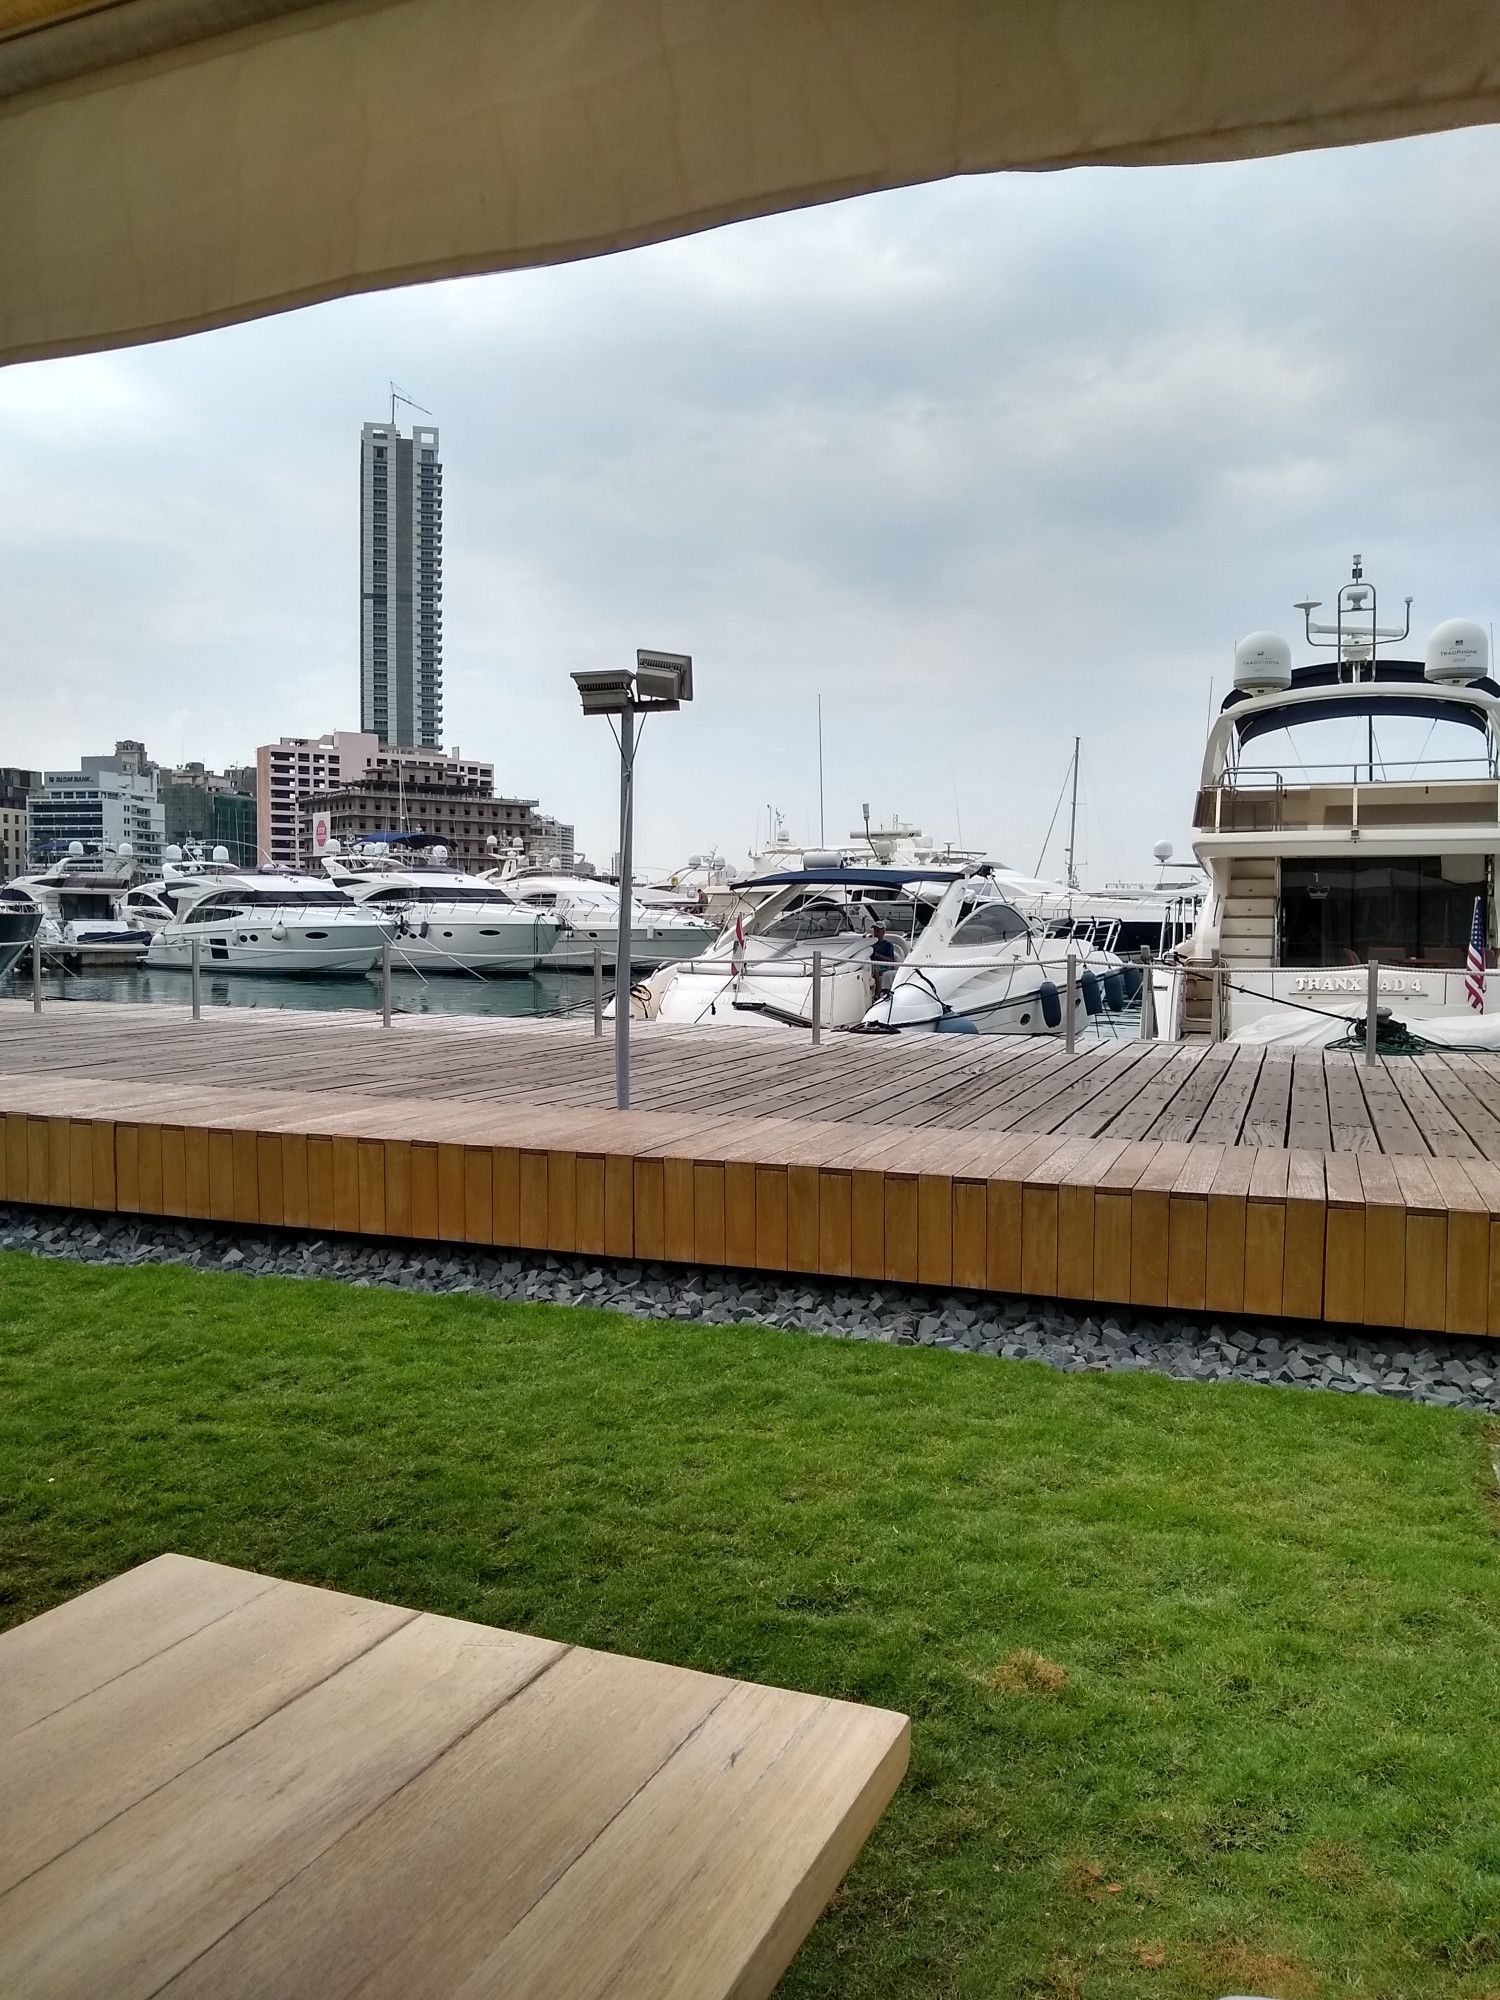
(660, 681)
(622, 935)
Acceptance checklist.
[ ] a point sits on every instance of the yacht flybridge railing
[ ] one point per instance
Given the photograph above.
(1449, 791)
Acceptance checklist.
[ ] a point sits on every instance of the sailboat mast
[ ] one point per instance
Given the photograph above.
(822, 833)
(1073, 820)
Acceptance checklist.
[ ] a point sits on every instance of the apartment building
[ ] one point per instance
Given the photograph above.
(296, 771)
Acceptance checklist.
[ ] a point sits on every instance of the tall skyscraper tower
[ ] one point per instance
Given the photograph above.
(401, 586)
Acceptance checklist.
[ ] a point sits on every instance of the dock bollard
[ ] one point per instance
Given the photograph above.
(817, 997)
(1148, 999)
(1070, 1033)
(385, 982)
(36, 974)
(1372, 1005)
(196, 981)
(598, 994)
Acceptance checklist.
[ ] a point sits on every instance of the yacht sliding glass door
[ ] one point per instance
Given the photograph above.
(1416, 912)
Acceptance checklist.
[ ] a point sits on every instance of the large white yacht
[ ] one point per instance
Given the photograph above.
(587, 911)
(760, 968)
(442, 919)
(1348, 811)
(268, 922)
(79, 896)
(980, 965)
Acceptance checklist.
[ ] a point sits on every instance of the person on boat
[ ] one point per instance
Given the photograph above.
(883, 959)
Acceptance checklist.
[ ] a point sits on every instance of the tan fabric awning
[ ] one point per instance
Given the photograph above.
(167, 165)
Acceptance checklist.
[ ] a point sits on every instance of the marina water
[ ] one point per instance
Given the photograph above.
(541, 995)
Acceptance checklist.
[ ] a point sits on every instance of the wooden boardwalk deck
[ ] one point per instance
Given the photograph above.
(1231, 1181)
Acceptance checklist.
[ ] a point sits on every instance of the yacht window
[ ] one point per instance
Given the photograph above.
(1401, 912)
(211, 910)
(991, 923)
(296, 899)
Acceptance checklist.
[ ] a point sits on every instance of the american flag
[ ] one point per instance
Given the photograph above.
(1474, 963)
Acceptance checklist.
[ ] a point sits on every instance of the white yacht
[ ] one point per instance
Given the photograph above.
(760, 968)
(268, 922)
(79, 897)
(20, 916)
(981, 966)
(442, 919)
(587, 912)
(1348, 811)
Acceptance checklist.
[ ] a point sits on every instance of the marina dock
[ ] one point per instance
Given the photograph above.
(1194, 1176)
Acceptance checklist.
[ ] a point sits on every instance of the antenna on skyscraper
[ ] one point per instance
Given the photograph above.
(399, 395)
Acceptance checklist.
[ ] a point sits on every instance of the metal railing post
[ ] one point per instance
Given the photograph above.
(1070, 1034)
(598, 994)
(1216, 1003)
(1148, 999)
(817, 997)
(36, 974)
(385, 982)
(196, 978)
(1372, 1004)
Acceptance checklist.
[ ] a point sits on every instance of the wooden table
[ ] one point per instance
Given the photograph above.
(212, 1782)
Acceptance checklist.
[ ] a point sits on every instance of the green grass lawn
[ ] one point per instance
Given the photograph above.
(1258, 1749)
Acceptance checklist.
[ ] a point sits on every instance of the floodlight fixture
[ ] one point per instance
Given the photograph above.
(663, 677)
(605, 693)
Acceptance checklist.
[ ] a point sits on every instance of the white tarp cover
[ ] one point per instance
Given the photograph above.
(167, 165)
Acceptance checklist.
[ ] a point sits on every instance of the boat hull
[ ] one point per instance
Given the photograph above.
(650, 947)
(346, 951)
(17, 929)
(485, 950)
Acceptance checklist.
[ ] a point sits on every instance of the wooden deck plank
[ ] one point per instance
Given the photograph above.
(1269, 1108)
(1224, 1119)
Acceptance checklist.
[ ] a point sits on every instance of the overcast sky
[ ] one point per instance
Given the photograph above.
(985, 463)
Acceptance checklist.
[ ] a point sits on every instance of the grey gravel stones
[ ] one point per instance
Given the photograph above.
(1360, 1361)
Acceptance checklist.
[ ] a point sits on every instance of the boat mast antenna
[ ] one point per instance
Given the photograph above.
(1073, 820)
(1355, 642)
(822, 832)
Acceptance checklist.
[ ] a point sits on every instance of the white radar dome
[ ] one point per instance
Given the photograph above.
(1458, 651)
(125, 850)
(440, 854)
(1262, 662)
(221, 854)
(1163, 850)
(173, 853)
(75, 847)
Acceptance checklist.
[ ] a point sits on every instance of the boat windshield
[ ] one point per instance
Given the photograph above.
(823, 918)
(991, 923)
